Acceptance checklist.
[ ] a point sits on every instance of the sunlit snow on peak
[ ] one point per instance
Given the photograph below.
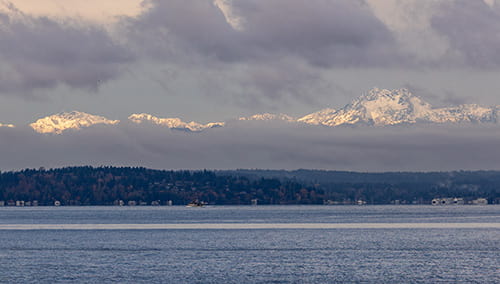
(7, 125)
(61, 122)
(173, 123)
(380, 107)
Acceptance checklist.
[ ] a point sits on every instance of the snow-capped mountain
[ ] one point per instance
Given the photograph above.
(173, 123)
(380, 107)
(465, 113)
(7, 125)
(316, 118)
(60, 122)
(268, 116)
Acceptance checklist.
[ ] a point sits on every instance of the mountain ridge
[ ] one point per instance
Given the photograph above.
(382, 107)
(58, 123)
(173, 123)
(6, 125)
(377, 107)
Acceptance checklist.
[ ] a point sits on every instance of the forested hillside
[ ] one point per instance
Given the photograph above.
(107, 185)
(385, 188)
(110, 185)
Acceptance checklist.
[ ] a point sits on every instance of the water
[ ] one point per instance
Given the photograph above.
(433, 244)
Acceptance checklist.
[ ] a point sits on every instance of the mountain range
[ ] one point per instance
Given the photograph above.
(381, 107)
(173, 123)
(6, 125)
(58, 123)
(378, 107)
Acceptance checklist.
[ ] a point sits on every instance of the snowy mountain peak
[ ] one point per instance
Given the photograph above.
(173, 123)
(316, 118)
(61, 122)
(381, 107)
(268, 116)
(377, 107)
(465, 113)
(387, 107)
(7, 125)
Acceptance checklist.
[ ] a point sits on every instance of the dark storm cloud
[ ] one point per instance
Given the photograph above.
(324, 33)
(329, 34)
(473, 29)
(278, 54)
(40, 53)
(171, 28)
(252, 145)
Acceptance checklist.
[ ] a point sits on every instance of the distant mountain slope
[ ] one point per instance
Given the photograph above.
(329, 176)
(381, 107)
(388, 185)
(318, 117)
(173, 123)
(7, 125)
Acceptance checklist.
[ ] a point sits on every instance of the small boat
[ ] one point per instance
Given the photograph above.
(196, 203)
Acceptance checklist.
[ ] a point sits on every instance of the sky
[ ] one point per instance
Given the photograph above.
(216, 60)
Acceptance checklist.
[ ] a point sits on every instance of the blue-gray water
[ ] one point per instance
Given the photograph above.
(363, 254)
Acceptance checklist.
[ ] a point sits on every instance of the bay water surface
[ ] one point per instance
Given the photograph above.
(243, 244)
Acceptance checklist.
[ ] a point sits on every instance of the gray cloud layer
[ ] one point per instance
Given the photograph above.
(248, 145)
(280, 51)
(335, 33)
(40, 53)
(284, 47)
(325, 33)
(473, 30)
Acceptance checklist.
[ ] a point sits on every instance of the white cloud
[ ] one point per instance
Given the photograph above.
(232, 18)
(410, 21)
(490, 3)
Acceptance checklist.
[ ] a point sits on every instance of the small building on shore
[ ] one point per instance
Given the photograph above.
(480, 201)
(448, 201)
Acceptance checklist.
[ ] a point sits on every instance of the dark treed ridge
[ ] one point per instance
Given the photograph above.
(108, 185)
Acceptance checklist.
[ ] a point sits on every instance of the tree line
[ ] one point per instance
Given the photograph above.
(107, 185)
(388, 187)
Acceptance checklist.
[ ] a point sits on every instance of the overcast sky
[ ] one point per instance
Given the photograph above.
(207, 60)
